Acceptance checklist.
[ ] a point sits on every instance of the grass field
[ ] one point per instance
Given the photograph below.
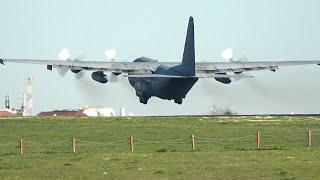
(225, 148)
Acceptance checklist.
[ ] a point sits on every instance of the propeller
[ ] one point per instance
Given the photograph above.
(80, 75)
(80, 57)
(228, 55)
(64, 54)
(111, 54)
(243, 58)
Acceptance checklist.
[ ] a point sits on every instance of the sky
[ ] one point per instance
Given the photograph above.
(261, 30)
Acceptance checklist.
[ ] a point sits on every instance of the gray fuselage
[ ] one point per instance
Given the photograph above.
(162, 87)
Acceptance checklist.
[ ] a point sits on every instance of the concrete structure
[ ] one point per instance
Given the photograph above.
(27, 99)
(131, 114)
(122, 111)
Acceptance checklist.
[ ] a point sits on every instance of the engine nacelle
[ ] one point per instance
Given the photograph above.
(99, 76)
(116, 73)
(75, 70)
(224, 80)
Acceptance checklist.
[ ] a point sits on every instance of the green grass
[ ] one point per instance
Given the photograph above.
(225, 148)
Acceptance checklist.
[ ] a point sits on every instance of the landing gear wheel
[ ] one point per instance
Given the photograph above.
(178, 100)
(143, 100)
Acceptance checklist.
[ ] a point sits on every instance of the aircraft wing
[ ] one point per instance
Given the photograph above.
(116, 67)
(238, 66)
(140, 69)
(197, 76)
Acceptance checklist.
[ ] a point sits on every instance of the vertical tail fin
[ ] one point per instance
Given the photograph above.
(188, 60)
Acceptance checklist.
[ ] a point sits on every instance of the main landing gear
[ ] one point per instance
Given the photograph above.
(143, 99)
(178, 100)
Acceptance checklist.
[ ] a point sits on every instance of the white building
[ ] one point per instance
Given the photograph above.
(122, 111)
(94, 112)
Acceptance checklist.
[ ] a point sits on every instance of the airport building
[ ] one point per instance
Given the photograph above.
(64, 113)
(89, 112)
(95, 112)
(8, 113)
(27, 108)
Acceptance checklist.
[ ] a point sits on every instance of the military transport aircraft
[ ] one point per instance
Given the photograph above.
(165, 80)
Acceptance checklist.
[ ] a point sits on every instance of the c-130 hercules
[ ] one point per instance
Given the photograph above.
(165, 80)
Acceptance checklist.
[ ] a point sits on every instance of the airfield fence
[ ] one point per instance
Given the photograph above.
(258, 141)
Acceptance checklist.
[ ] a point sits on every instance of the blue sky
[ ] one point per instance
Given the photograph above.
(261, 30)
